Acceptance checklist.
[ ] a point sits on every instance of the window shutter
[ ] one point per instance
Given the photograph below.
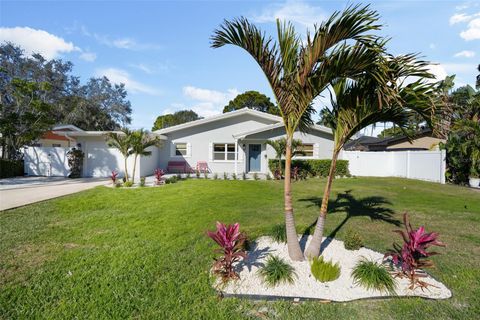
(189, 149)
(210, 151)
(316, 152)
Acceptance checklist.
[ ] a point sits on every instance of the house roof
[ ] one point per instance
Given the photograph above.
(66, 127)
(223, 116)
(362, 141)
(96, 133)
(243, 135)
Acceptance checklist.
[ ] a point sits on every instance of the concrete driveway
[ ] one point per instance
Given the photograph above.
(20, 191)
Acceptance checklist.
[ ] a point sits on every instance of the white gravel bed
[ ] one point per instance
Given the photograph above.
(306, 286)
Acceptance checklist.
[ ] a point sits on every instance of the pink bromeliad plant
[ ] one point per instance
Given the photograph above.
(114, 176)
(158, 173)
(413, 254)
(231, 242)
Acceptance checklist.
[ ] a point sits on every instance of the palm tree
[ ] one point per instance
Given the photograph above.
(280, 149)
(140, 141)
(122, 142)
(359, 103)
(298, 71)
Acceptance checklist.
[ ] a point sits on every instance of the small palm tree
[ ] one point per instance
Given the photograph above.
(122, 142)
(140, 141)
(366, 101)
(280, 149)
(298, 71)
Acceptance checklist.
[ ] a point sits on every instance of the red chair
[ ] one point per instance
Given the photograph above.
(202, 166)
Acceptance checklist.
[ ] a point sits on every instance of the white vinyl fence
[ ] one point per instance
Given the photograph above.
(98, 162)
(420, 165)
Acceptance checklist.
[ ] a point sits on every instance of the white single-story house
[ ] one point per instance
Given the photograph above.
(232, 142)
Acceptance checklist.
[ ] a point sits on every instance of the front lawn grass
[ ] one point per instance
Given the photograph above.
(143, 253)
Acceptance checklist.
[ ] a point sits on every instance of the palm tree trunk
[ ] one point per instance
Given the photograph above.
(294, 250)
(313, 249)
(134, 165)
(126, 168)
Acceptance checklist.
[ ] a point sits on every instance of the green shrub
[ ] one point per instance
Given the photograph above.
(279, 233)
(197, 174)
(142, 181)
(372, 275)
(255, 176)
(276, 271)
(215, 176)
(324, 271)
(118, 185)
(128, 184)
(179, 176)
(11, 168)
(353, 241)
(244, 176)
(188, 176)
(172, 179)
(314, 167)
(234, 176)
(205, 175)
(269, 177)
(225, 176)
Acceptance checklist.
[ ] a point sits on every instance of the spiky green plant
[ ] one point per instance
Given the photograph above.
(324, 271)
(279, 233)
(373, 275)
(276, 271)
(353, 240)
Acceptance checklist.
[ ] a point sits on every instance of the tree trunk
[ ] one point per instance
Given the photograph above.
(294, 250)
(134, 165)
(313, 249)
(126, 168)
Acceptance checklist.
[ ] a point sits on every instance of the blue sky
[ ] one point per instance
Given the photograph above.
(161, 49)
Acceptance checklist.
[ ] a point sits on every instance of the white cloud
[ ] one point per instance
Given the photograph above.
(207, 102)
(459, 17)
(465, 54)
(125, 43)
(144, 68)
(296, 11)
(88, 56)
(121, 76)
(473, 31)
(37, 41)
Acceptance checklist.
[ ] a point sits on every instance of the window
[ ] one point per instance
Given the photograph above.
(305, 150)
(223, 151)
(56, 145)
(180, 149)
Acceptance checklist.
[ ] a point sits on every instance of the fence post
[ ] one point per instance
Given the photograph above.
(443, 165)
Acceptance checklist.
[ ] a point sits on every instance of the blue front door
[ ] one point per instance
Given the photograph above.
(254, 152)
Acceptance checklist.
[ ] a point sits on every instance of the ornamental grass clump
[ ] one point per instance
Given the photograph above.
(373, 275)
(276, 271)
(324, 271)
(231, 242)
(279, 233)
(413, 255)
(353, 240)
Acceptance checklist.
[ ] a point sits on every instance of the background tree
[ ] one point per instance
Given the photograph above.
(253, 100)
(140, 141)
(174, 119)
(371, 99)
(96, 105)
(300, 69)
(24, 115)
